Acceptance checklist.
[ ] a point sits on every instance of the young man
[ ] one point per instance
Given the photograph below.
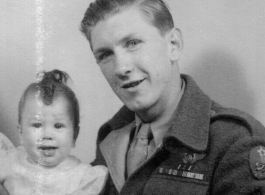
(169, 138)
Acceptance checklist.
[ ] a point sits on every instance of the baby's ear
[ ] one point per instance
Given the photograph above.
(20, 133)
(19, 128)
(76, 132)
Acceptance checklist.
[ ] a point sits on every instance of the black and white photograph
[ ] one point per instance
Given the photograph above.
(132, 97)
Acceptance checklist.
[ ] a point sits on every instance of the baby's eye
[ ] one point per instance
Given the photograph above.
(58, 125)
(37, 125)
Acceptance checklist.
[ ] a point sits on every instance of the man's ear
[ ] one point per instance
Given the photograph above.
(175, 44)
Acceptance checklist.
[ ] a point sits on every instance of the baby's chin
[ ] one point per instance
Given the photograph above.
(45, 162)
(47, 159)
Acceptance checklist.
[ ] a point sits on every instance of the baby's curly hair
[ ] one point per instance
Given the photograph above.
(52, 84)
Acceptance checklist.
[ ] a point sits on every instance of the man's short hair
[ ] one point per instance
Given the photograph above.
(156, 12)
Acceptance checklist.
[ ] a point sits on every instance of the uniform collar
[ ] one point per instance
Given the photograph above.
(190, 127)
(192, 118)
(161, 127)
(191, 121)
(114, 148)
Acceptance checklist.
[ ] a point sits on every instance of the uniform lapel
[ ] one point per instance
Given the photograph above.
(114, 148)
(192, 118)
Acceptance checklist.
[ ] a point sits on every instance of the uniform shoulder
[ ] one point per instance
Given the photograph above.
(122, 118)
(234, 115)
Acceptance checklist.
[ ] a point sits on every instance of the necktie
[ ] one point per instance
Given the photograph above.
(138, 151)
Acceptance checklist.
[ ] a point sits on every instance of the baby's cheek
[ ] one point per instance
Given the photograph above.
(29, 142)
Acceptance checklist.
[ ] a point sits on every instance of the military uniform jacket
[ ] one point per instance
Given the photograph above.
(208, 149)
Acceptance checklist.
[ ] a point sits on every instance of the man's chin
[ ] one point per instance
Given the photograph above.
(136, 107)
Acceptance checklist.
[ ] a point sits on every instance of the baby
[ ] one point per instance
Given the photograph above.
(48, 127)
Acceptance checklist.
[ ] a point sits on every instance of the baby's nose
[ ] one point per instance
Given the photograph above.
(46, 134)
(46, 138)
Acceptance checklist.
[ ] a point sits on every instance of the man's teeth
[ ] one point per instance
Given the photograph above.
(132, 84)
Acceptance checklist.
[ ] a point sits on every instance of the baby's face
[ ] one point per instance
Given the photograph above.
(47, 130)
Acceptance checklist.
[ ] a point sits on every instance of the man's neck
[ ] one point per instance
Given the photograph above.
(161, 112)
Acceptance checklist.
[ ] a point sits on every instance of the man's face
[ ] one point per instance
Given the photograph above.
(135, 59)
(46, 130)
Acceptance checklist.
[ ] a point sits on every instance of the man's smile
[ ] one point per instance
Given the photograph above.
(132, 84)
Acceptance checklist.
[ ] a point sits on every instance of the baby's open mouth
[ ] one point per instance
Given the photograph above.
(47, 147)
(47, 150)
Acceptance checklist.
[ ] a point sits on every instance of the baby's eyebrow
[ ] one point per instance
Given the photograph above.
(61, 118)
(126, 38)
(36, 117)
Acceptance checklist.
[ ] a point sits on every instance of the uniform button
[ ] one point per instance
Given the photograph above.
(212, 112)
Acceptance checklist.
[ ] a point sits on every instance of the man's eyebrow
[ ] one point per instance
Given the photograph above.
(123, 40)
(100, 50)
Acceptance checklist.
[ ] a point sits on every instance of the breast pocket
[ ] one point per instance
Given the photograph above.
(176, 184)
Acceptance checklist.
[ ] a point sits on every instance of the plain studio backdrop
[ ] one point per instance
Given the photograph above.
(224, 45)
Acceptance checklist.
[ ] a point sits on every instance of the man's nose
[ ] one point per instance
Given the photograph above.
(123, 65)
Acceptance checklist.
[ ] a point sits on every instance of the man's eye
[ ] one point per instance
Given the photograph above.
(37, 125)
(133, 43)
(58, 126)
(104, 56)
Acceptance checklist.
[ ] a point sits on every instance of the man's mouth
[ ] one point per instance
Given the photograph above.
(132, 84)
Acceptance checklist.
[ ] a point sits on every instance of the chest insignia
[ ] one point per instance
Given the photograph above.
(189, 158)
(257, 162)
(181, 173)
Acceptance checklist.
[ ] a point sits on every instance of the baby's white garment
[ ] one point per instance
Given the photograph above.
(21, 177)
(5, 144)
